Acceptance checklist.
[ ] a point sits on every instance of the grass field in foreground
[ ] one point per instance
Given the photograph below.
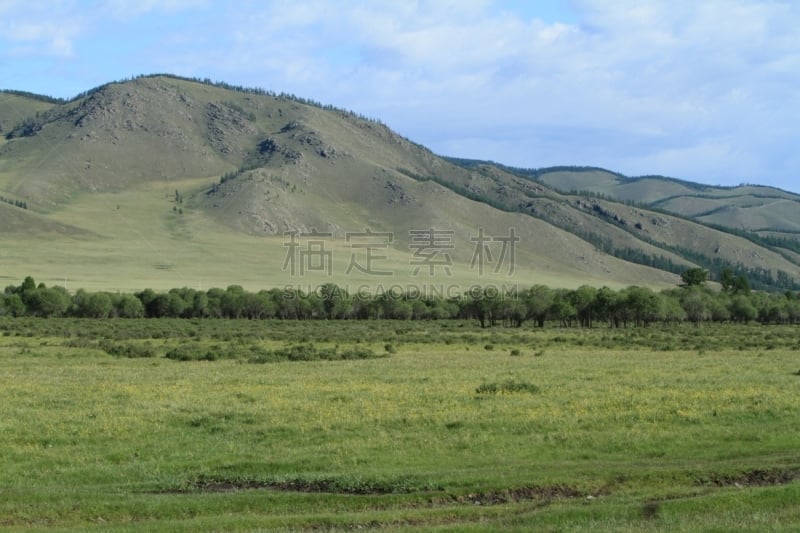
(449, 427)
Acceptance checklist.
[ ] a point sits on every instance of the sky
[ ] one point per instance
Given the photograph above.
(707, 91)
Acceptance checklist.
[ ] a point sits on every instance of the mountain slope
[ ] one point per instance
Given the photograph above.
(638, 234)
(23, 223)
(16, 107)
(751, 208)
(172, 180)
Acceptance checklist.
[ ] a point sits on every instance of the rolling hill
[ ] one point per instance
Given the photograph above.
(16, 107)
(163, 182)
(750, 208)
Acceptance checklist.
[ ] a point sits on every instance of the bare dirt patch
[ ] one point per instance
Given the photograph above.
(752, 478)
(521, 494)
(329, 486)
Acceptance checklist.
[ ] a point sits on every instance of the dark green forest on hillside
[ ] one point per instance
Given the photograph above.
(760, 278)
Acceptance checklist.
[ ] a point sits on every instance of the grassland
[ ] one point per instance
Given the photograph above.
(133, 239)
(450, 427)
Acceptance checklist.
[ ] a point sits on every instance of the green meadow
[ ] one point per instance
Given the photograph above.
(128, 240)
(278, 425)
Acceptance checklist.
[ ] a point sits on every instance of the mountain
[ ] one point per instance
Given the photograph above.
(17, 106)
(163, 181)
(759, 210)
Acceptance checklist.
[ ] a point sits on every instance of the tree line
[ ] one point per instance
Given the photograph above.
(16, 203)
(538, 305)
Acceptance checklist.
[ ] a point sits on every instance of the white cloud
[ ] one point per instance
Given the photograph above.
(696, 89)
(701, 90)
(40, 28)
(128, 9)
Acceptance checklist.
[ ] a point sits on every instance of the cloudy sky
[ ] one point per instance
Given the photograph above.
(701, 90)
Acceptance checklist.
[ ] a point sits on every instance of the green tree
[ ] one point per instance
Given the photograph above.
(538, 299)
(562, 308)
(80, 301)
(99, 305)
(671, 310)
(399, 309)
(158, 307)
(719, 307)
(14, 305)
(741, 285)
(732, 283)
(777, 310)
(27, 285)
(215, 295)
(479, 306)
(147, 296)
(793, 310)
(47, 302)
(742, 309)
(583, 300)
(232, 302)
(726, 279)
(695, 303)
(441, 308)
(128, 306)
(606, 304)
(92, 305)
(335, 300)
(200, 305)
(643, 304)
(258, 306)
(293, 305)
(419, 309)
(176, 305)
(511, 310)
(693, 277)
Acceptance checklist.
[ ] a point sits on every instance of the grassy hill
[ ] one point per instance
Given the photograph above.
(16, 107)
(753, 208)
(164, 182)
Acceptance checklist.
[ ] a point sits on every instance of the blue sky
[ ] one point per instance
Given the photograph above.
(706, 91)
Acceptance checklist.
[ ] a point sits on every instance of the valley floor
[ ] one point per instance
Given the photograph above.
(443, 426)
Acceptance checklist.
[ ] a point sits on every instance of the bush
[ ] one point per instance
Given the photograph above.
(487, 388)
(309, 352)
(507, 387)
(192, 352)
(359, 353)
(128, 349)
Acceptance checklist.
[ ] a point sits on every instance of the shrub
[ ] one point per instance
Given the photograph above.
(507, 387)
(359, 353)
(309, 352)
(191, 352)
(128, 349)
(487, 388)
